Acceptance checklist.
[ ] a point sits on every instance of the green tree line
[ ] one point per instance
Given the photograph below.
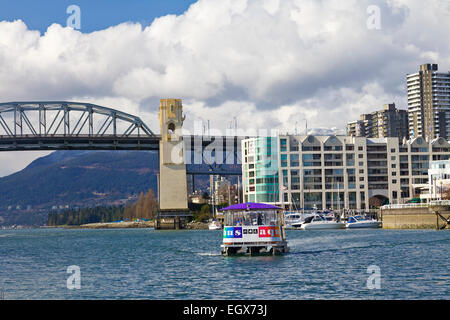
(144, 208)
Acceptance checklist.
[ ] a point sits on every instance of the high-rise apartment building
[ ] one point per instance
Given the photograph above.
(388, 122)
(429, 102)
(337, 171)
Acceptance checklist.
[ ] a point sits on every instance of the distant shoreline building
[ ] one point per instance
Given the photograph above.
(429, 102)
(388, 122)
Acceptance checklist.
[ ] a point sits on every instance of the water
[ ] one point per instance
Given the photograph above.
(149, 264)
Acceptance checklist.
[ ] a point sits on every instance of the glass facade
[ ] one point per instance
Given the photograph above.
(264, 162)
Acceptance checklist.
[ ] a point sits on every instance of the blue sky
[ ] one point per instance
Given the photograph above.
(96, 14)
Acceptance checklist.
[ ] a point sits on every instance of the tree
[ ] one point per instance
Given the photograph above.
(145, 207)
(150, 205)
(204, 214)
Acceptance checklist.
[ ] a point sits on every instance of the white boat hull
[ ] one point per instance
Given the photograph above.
(321, 225)
(364, 224)
(214, 226)
(293, 226)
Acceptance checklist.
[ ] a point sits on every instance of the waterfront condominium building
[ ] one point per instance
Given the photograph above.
(387, 122)
(337, 171)
(438, 180)
(429, 102)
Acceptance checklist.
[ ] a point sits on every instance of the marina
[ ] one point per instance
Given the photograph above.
(320, 220)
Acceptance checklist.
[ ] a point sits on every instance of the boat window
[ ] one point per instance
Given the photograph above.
(248, 218)
(309, 219)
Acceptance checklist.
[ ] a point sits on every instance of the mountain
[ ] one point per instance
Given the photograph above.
(81, 179)
(76, 179)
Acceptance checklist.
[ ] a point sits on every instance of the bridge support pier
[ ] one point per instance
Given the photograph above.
(171, 220)
(172, 168)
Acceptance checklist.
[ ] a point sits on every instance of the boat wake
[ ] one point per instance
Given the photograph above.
(209, 254)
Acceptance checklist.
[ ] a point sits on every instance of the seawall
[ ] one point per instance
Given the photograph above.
(414, 217)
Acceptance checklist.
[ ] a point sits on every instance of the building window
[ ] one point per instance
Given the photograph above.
(360, 148)
(284, 160)
(360, 156)
(283, 145)
(361, 164)
(294, 160)
(392, 150)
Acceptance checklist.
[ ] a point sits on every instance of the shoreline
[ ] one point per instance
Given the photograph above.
(112, 225)
(131, 225)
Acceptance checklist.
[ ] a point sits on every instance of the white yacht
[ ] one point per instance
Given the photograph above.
(294, 220)
(318, 222)
(362, 222)
(215, 225)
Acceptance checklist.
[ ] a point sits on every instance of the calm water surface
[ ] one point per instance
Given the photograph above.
(149, 264)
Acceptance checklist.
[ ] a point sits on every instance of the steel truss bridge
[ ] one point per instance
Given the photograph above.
(64, 125)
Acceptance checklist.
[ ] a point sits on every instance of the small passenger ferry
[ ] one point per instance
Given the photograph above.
(253, 228)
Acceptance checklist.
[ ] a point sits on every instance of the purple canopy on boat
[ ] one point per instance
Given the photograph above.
(250, 206)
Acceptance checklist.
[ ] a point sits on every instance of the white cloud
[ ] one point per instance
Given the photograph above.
(266, 62)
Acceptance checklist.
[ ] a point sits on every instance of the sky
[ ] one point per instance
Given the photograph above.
(269, 63)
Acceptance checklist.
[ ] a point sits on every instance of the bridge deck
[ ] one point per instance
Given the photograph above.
(86, 142)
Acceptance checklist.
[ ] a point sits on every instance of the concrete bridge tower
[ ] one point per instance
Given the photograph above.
(172, 168)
